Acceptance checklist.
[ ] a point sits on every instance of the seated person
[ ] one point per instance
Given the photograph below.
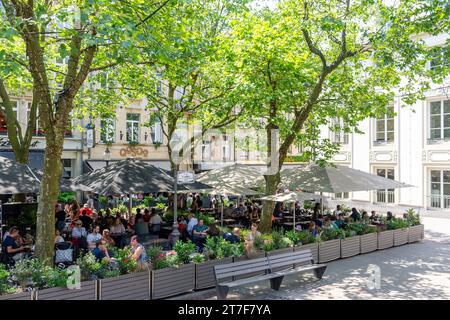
(356, 216)
(340, 223)
(313, 229)
(100, 251)
(213, 231)
(199, 234)
(58, 238)
(373, 216)
(13, 252)
(94, 237)
(107, 238)
(234, 237)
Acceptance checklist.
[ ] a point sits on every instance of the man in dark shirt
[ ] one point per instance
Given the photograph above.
(60, 217)
(12, 250)
(86, 220)
(98, 251)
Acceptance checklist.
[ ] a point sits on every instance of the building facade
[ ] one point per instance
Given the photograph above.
(412, 147)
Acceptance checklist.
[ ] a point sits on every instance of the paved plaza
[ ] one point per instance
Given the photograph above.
(414, 271)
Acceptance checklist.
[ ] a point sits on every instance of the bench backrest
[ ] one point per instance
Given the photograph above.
(303, 257)
(228, 270)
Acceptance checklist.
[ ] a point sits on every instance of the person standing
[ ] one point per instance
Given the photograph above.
(192, 222)
(60, 217)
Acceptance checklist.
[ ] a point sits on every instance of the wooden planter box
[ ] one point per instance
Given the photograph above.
(279, 251)
(133, 286)
(350, 246)
(88, 291)
(385, 239)
(172, 281)
(18, 296)
(415, 233)
(204, 273)
(259, 254)
(400, 237)
(369, 242)
(314, 247)
(329, 250)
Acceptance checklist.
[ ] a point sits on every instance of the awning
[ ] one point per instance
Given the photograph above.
(35, 158)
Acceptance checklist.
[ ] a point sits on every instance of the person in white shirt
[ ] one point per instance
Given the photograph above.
(94, 237)
(192, 223)
(155, 222)
(337, 211)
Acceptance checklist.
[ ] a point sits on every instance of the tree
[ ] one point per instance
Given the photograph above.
(312, 60)
(184, 83)
(61, 44)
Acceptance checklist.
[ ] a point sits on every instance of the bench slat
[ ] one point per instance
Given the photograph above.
(241, 272)
(242, 263)
(300, 269)
(240, 282)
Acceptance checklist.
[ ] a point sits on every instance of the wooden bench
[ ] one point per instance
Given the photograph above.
(302, 260)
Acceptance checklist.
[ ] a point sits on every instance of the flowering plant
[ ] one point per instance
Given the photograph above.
(125, 262)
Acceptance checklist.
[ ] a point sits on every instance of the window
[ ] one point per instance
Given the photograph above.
(225, 148)
(386, 195)
(133, 127)
(107, 131)
(206, 150)
(338, 134)
(440, 120)
(440, 189)
(441, 58)
(3, 128)
(38, 131)
(67, 165)
(156, 131)
(384, 128)
(341, 195)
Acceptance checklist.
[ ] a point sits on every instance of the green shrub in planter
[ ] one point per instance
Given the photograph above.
(306, 237)
(412, 217)
(166, 260)
(124, 261)
(294, 236)
(32, 273)
(397, 223)
(218, 248)
(332, 234)
(184, 251)
(197, 258)
(279, 240)
(5, 285)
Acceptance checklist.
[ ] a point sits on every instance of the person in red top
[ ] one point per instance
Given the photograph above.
(88, 210)
(146, 215)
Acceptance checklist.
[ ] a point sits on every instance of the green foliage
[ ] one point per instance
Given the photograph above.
(65, 197)
(198, 258)
(397, 223)
(294, 236)
(412, 217)
(219, 248)
(148, 201)
(184, 250)
(154, 252)
(160, 206)
(207, 219)
(168, 260)
(279, 240)
(306, 237)
(331, 234)
(5, 286)
(103, 199)
(32, 273)
(353, 229)
(124, 261)
(89, 266)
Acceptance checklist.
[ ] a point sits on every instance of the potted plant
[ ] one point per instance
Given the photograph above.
(8, 291)
(416, 229)
(350, 245)
(369, 239)
(216, 251)
(173, 273)
(330, 245)
(385, 236)
(308, 242)
(400, 227)
(280, 244)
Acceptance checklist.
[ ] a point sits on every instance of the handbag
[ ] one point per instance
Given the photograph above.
(63, 252)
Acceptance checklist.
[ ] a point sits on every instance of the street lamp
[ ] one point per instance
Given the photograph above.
(107, 155)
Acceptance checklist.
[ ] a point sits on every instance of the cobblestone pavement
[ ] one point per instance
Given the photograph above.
(414, 271)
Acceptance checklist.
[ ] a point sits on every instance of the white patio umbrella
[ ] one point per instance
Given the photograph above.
(236, 175)
(292, 196)
(334, 179)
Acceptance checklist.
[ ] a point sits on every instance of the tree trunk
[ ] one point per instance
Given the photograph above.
(267, 211)
(49, 191)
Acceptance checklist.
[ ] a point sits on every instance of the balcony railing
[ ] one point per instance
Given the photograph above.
(436, 201)
(385, 196)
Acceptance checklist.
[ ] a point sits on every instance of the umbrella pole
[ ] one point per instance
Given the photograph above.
(131, 205)
(221, 216)
(294, 216)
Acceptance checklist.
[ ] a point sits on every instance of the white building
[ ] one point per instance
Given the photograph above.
(412, 147)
